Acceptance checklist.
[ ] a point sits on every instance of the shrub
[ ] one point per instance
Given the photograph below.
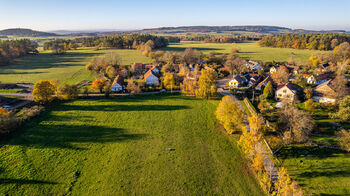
(344, 140)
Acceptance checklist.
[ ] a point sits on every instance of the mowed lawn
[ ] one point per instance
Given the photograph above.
(68, 68)
(118, 146)
(249, 50)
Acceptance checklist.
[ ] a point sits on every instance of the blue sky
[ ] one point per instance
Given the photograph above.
(137, 14)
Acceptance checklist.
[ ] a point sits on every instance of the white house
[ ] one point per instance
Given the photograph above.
(118, 84)
(310, 79)
(237, 81)
(151, 78)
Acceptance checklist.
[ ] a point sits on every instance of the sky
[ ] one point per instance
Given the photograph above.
(46, 15)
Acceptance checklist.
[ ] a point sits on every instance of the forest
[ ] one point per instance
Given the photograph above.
(124, 42)
(222, 38)
(11, 49)
(312, 41)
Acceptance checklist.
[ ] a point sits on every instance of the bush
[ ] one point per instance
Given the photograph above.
(344, 140)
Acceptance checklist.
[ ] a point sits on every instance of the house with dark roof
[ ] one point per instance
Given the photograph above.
(286, 92)
(253, 79)
(118, 84)
(325, 93)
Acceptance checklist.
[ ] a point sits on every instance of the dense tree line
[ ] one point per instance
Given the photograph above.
(60, 46)
(222, 38)
(125, 42)
(314, 41)
(11, 49)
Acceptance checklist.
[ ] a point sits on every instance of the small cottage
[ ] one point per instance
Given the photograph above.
(237, 81)
(118, 84)
(151, 78)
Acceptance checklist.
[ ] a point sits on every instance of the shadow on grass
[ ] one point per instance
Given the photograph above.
(306, 151)
(47, 60)
(181, 49)
(313, 174)
(64, 136)
(109, 108)
(23, 181)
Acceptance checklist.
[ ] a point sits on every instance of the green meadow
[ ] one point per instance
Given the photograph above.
(250, 50)
(118, 146)
(68, 68)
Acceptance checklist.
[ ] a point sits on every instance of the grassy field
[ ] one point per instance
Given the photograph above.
(320, 171)
(117, 147)
(249, 50)
(68, 68)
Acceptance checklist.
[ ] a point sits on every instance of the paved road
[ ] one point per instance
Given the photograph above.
(260, 147)
(17, 94)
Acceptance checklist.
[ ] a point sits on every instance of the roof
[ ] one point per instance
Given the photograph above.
(288, 85)
(306, 75)
(239, 78)
(149, 73)
(119, 79)
(138, 65)
(328, 83)
(149, 66)
(267, 79)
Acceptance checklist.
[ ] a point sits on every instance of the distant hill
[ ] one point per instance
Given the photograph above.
(232, 30)
(19, 32)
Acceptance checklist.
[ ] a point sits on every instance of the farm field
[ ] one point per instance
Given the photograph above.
(68, 68)
(118, 146)
(249, 50)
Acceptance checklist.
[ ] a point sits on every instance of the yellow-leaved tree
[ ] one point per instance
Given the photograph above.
(44, 91)
(206, 84)
(169, 81)
(250, 138)
(230, 115)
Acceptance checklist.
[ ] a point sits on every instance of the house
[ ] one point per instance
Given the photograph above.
(293, 69)
(253, 65)
(253, 78)
(155, 69)
(118, 84)
(238, 81)
(310, 79)
(263, 83)
(273, 69)
(151, 78)
(324, 93)
(138, 66)
(324, 67)
(287, 92)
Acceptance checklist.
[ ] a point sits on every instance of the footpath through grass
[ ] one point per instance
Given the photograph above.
(68, 68)
(250, 50)
(118, 146)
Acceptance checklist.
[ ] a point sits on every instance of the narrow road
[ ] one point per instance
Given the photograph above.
(260, 147)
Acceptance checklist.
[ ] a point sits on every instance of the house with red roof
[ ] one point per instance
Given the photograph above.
(118, 84)
(151, 78)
